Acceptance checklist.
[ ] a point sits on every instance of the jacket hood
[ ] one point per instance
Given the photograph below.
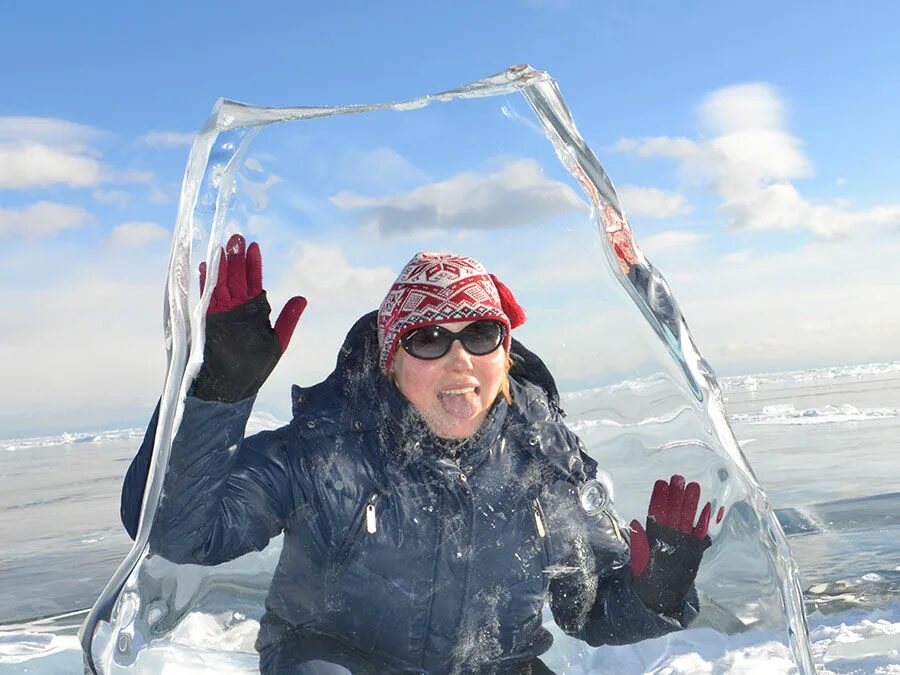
(358, 396)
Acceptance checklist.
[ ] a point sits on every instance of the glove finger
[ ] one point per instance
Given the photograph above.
(658, 501)
(676, 498)
(237, 269)
(221, 298)
(702, 527)
(287, 320)
(202, 277)
(689, 507)
(640, 549)
(254, 270)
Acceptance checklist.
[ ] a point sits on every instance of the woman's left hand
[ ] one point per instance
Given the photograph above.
(665, 557)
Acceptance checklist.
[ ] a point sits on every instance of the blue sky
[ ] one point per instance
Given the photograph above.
(756, 145)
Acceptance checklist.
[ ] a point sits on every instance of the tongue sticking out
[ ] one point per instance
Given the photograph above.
(462, 405)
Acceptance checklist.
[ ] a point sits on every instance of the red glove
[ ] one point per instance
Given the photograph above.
(241, 348)
(240, 280)
(665, 557)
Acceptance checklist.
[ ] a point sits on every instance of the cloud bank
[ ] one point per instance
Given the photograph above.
(42, 219)
(517, 194)
(137, 234)
(47, 130)
(671, 240)
(39, 152)
(26, 165)
(751, 162)
(652, 202)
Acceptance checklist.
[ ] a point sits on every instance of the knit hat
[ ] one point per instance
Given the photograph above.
(436, 288)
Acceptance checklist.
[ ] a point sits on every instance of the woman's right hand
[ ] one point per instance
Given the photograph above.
(241, 347)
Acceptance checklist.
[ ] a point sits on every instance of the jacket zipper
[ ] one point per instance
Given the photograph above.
(615, 525)
(541, 528)
(365, 516)
(371, 522)
(538, 519)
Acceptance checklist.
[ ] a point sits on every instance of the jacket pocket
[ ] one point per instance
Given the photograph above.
(365, 523)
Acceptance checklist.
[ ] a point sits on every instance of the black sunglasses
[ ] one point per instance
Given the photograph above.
(432, 342)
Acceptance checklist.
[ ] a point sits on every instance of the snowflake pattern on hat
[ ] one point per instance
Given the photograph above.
(436, 288)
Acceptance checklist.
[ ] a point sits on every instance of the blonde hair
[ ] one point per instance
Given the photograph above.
(504, 383)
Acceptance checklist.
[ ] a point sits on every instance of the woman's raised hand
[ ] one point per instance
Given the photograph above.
(240, 280)
(241, 347)
(665, 557)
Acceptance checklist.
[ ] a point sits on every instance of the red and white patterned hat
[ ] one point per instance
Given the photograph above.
(436, 288)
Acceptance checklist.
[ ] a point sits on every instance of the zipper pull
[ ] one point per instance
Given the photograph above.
(538, 521)
(615, 525)
(371, 522)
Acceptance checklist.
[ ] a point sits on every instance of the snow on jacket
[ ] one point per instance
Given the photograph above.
(396, 556)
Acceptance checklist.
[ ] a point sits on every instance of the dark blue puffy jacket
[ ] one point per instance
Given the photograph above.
(401, 553)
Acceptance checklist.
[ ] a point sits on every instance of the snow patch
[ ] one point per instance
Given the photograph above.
(854, 641)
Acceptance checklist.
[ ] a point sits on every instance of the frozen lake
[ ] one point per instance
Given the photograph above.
(823, 443)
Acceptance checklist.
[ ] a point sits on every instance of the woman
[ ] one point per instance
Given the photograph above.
(430, 495)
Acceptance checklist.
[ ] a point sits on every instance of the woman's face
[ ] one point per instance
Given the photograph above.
(453, 393)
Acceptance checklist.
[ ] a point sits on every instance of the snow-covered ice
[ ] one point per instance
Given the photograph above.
(844, 643)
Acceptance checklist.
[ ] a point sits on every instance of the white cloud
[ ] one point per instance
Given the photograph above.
(780, 206)
(38, 152)
(757, 155)
(652, 202)
(44, 151)
(42, 219)
(136, 234)
(46, 130)
(338, 292)
(166, 139)
(670, 240)
(130, 176)
(322, 270)
(751, 161)
(754, 105)
(658, 146)
(517, 194)
(30, 164)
